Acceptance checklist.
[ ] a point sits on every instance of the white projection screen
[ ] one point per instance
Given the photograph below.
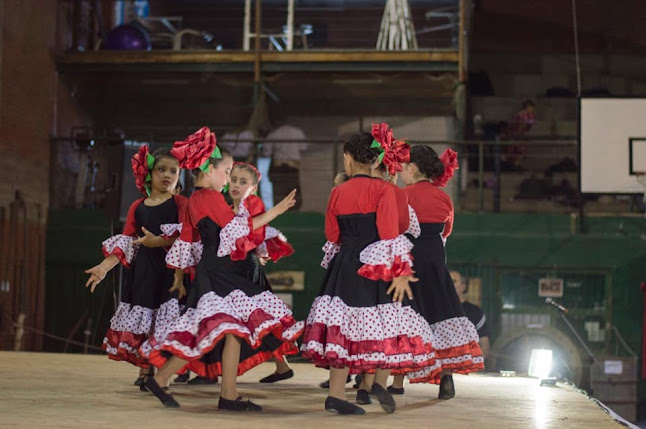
(612, 133)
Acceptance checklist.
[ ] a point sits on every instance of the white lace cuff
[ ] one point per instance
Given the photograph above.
(237, 228)
(183, 255)
(121, 246)
(384, 252)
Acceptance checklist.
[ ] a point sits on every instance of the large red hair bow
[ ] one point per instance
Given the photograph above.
(142, 163)
(196, 149)
(450, 160)
(393, 152)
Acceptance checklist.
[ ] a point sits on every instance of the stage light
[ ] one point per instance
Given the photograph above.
(540, 363)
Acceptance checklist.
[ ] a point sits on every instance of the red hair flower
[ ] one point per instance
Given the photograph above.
(450, 160)
(393, 152)
(196, 149)
(142, 163)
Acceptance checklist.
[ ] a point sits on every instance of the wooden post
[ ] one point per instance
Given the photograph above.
(290, 25)
(462, 46)
(256, 64)
(20, 330)
(246, 25)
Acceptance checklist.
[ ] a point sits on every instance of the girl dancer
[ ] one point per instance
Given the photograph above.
(354, 325)
(147, 305)
(226, 310)
(456, 345)
(272, 245)
(392, 154)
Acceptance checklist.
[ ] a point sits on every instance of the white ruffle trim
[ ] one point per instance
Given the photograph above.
(134, 319)
(329, 250)
(413, 223)
(171, 229)
(165, 317)
(358, 324)
(454, 332)
(383, 252)
(123, 242)
(236, 305)
(183, 254)
(237, 228)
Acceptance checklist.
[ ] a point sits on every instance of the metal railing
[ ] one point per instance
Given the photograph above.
(533, 175)
(283, 26)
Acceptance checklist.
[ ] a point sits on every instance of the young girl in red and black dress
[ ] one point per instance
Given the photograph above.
(393, 153)
(230, 323)
(148, 303)
(354, 326)
(271, 243)
(456, 345)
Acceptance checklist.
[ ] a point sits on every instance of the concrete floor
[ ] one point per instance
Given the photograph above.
(79, 391)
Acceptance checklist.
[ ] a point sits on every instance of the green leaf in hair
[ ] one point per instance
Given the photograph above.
(150, 160)
(205, 166)
(216, 153)
(376, 144)
(381, 156)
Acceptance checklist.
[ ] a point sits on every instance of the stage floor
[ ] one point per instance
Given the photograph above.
(81, 391)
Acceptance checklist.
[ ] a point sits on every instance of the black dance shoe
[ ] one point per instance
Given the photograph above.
(165, 398)
(238, 405)
(202, 380)
(447, 388)
(363, 398)
(340, 406)
(395, 390)
(182, 378)
(326, 383)
(140, 380)
(385, 399)
(277, 377)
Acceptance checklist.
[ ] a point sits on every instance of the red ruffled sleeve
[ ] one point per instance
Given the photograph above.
(122, 245)
(389, 257)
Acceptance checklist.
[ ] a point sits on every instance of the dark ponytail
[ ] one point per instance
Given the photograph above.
(427, 161)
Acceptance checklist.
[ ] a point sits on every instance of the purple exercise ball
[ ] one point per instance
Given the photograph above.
(127, 37)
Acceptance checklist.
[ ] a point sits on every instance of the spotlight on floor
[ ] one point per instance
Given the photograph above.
(540, 366)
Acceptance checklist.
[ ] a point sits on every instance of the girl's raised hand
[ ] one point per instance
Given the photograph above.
(287, 203)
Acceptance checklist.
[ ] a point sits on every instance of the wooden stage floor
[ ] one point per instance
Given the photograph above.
(80, 391)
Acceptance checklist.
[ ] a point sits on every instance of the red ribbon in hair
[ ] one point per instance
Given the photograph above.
(394, 152)
(196, 149)
(450, 160)
(250, 166)
(141, 166)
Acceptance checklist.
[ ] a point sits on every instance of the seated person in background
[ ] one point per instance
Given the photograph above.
(517, 128)
(473, 312)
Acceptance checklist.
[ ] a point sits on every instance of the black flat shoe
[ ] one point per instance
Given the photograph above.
(363, 398)
(277, 377)
(447, 388)
(326, 383)
(342, 407)
(182, 378)
(140, 380)
(385, 399)
(165, 398)
(395, 390)
(238, 405)
(202, 380)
